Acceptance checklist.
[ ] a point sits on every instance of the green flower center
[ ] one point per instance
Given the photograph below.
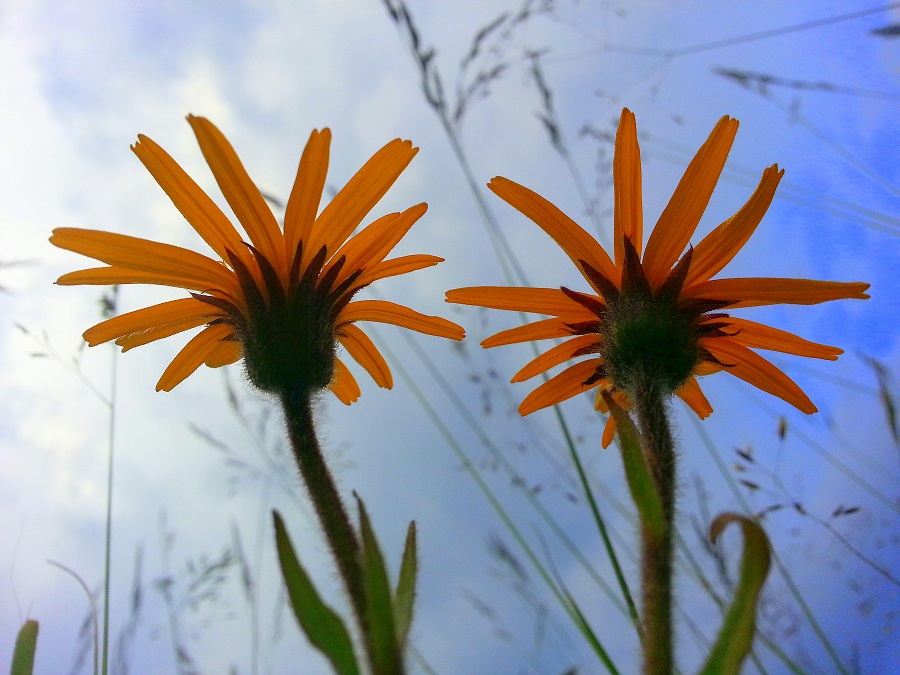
(291, 347)
(647, 340)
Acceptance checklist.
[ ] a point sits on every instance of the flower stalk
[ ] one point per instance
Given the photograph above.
(339, 532)
(656, 538)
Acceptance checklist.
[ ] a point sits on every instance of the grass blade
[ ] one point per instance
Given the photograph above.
(323, 627)
(405, 595)
(736, 636)
(26, 645)
(384, 653)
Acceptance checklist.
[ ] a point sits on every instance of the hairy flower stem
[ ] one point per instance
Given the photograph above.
(656, 545)
(342, 538)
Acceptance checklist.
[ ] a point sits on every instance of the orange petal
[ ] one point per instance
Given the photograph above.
(192, 356)
(773, 291)
(224, 353)
(371, 245)
(242, 195)
(717, 248)
(628, 214)
(148, 317)
(144, 337)
(556, 355)
(567, 384)
(690, 393)
(536, 300)
(354, 201)
(390, 312)
(682, 214)
(609, 431)
(344, 385)
(366, 354)
(396, 266)
(306, 195)
(754, 369)
(195, 205)
(759, 336)
(539, 330)
(572, 238)
(143, 255)
(706, 368)
(110, 276)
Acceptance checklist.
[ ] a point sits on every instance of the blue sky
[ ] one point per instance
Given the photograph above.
(81, 80)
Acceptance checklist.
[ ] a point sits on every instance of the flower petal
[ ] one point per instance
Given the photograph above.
(239, 191)
(682, 214)
(195, 205)
(371, 245)
(144, 255)
(707, 368)
(628, 213)
(390, 312)
(556, 355)
(344, 385)
(535, 300)
(759, 336)
(572, 238)
(609, 431)
(306, 195)
(111, 276)
(539, 330)
(159, 332)
(148, 317)
(224, 353)
(773, 291)
(754, 369)
(395, 267)
(366, 354)
(354, 201)
(192, 356)
(567, 384)
(718, 248)
(690, 393)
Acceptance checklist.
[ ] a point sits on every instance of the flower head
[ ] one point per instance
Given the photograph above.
(657, 319)
(283, 300)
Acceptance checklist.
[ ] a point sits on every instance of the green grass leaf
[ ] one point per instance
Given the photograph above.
(26, 645)
(736, 636)
(405, 596)
(323, 627)
(384, 649)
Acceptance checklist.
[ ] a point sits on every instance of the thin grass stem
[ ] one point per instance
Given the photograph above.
(567, 603)
(107, 564)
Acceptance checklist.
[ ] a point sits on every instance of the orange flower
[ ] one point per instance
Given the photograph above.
(283, 301)
(656, 320)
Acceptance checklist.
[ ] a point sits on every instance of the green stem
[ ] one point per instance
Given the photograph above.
(342, 538)
(656, 548)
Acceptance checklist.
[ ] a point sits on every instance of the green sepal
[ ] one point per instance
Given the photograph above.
(26, 645)
(384, 650)
(323, 627)
(736, 636)
(405, 595)
(637, 470)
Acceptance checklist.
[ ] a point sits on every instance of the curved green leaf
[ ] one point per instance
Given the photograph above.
(26, 645)
(323, 627)
(637, 471)
(405, 596)
(384, 650)
(736, 636)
